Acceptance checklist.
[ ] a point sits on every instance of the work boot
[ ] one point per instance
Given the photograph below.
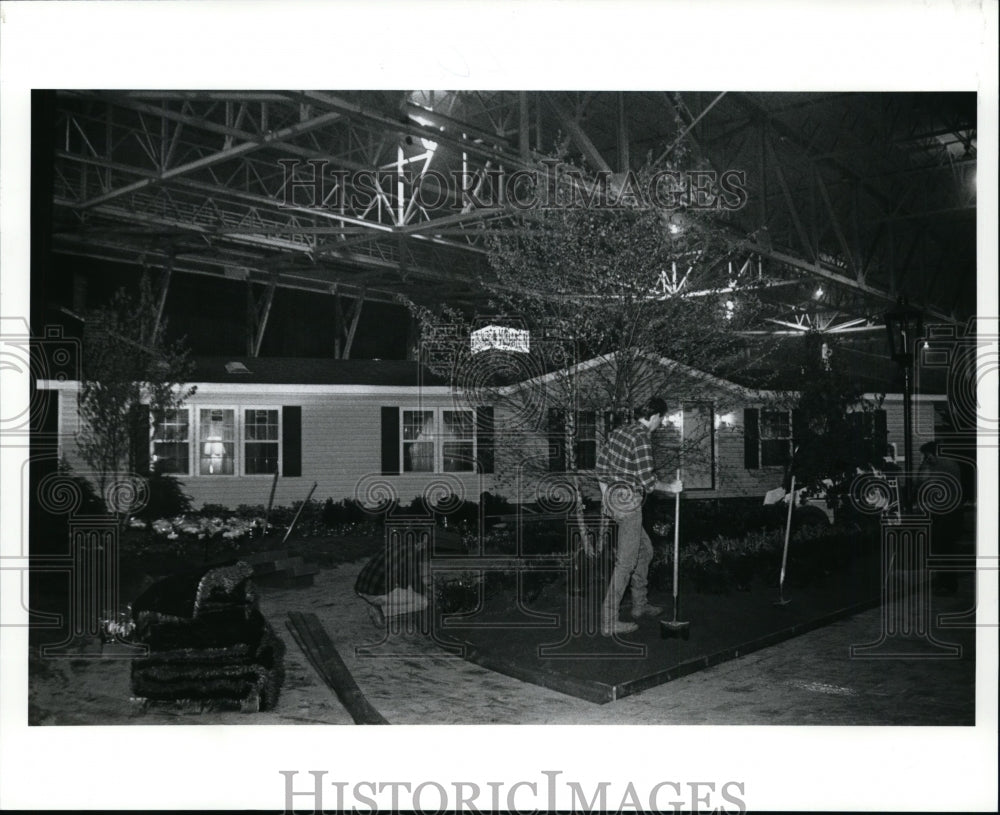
(646, 610)
(618, 627)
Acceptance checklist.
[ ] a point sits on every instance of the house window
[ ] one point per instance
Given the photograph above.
(260, 433)
(698, 451)
(458, 441)
(438, 440)
(775, 437)
(418, 441)
(228, 441)
(172, 443)
(572, 440)
(217, 441)
(686, 442)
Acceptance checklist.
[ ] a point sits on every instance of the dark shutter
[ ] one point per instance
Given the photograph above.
(856, 437)
(291, 440)
(557, 440)
(484, 438)
(800, 428)
(800, 441)
(751, 438)
(881, 439)
(390, 441)
(140, 439)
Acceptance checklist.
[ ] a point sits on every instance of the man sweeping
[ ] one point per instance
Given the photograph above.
(625, 472)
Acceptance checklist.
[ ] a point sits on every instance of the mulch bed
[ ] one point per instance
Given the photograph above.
(538, 640)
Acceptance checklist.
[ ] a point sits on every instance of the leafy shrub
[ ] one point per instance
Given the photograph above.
(455, 593)
(347, 511)
(495, 505)
(703, 520)
(166, 496)
(724, 564)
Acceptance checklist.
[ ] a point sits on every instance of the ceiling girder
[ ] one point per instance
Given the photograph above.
(161, 144)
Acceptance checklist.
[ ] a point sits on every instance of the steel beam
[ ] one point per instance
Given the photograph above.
(215, 158)
(789, 201)
(590, 152)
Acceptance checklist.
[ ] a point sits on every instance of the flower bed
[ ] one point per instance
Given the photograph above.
(724, 564)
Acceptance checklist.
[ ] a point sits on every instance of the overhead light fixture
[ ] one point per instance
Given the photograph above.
(429, 145)
(725, 420)
(818, 293)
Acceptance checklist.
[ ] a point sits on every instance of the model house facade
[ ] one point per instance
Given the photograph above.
(389, 430)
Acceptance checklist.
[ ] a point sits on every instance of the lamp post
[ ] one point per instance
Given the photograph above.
(904, 325)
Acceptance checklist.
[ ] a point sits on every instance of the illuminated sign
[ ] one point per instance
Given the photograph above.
(502, 338)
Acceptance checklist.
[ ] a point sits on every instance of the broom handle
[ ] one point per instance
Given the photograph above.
(296, 518)
(788, 529)
(270, 503)
(677, 538)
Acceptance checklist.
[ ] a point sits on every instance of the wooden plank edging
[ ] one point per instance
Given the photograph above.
(321, 653)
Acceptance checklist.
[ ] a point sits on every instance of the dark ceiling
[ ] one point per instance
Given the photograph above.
(853, 199)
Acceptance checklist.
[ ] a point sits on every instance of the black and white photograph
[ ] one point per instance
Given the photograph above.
(635, 404)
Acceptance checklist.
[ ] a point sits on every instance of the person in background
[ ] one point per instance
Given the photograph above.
(396, 580)
(626, 476)
(946, 526)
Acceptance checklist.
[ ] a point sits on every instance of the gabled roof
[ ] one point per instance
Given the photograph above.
(312, 371)
(738, 390)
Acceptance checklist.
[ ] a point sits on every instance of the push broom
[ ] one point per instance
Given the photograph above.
(781, 601)
(675, 627)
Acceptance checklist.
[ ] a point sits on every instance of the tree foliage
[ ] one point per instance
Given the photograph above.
(839, 434)
(625, 285)
(128, 366)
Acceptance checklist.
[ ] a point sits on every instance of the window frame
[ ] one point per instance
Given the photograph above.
(240, 440)
(438, 440)
(713, 436)
(674, 422)
(789, 439)
(277, 442)
(154, 440)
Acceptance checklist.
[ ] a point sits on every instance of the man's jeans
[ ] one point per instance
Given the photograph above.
(632, 559)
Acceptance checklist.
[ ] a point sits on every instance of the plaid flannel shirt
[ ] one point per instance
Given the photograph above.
(628, 457)
(397, 566)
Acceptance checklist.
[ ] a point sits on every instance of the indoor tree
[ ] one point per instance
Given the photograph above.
(132, 376)
(605, 274)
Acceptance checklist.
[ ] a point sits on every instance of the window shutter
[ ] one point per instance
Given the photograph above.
(484, 438)
(751, 438)
(291, 440)
(140, 439)
(800, 429)
(390, 441)
(557, 440)
(856, 437)
(881, 440)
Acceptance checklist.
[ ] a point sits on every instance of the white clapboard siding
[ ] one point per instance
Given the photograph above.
(341, 449)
